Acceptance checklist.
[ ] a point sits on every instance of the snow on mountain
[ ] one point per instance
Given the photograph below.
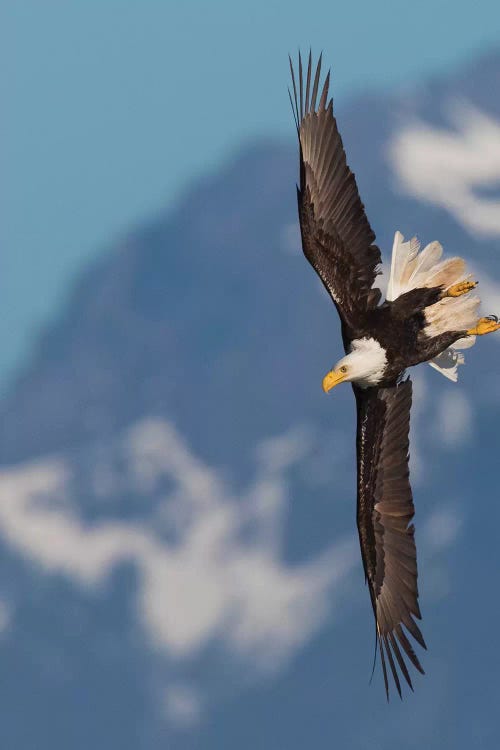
(217, 557)
(450, 167)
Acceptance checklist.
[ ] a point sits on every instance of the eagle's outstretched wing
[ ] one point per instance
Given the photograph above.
(385, 511)
(336, 236)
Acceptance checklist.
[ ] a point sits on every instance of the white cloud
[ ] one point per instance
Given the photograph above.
(214, 581)
(442, 528)
(489, 291)
(183, 705)
(299, 603)
(455, 417)
(278, 453)
(444, 166)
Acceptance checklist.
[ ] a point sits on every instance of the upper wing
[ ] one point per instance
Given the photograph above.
(385, 510)
(336, 236)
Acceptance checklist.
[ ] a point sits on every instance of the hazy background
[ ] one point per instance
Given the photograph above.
(178, 560)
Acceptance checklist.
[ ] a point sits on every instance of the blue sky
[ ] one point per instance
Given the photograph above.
(110, 109)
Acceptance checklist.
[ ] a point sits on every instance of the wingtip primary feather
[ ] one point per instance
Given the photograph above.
(393, 667)
(296, 114)
(384, 669)
(301, 86)
(400, 660)
(293, 110)
(305, 95)
(324, 93)
(374, 653)
(408, 649)
(308, 82)
(316, 83)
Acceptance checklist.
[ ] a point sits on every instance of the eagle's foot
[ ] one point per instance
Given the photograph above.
(463, 287)
(484, 326)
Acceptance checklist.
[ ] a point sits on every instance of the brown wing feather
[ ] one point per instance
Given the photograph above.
(336, 236)
(385, 511)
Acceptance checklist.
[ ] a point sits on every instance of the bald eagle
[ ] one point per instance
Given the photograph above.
(429, 315)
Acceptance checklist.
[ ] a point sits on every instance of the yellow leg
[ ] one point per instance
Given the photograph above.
(484, 325)
(461, 288)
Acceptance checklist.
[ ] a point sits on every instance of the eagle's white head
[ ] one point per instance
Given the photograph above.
(364, 365)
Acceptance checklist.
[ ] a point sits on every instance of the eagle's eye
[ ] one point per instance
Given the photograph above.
(343, 369)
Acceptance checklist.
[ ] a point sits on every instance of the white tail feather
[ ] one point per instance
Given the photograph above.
(411, 269)
(426, 260)
(446, 273)
(451, 314)
(403, 254)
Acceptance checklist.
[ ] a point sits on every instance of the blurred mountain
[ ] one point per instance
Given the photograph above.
(177, 495)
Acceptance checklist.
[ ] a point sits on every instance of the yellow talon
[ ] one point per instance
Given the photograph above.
(461, 288)
(484, 325)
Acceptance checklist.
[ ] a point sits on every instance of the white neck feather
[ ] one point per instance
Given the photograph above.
(366, 362)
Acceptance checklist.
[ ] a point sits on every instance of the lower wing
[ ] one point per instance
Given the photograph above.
(386, 534)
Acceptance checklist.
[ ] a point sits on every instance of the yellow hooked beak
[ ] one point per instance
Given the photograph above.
(333, 378)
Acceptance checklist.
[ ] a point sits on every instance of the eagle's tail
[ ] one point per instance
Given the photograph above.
(412, 269)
